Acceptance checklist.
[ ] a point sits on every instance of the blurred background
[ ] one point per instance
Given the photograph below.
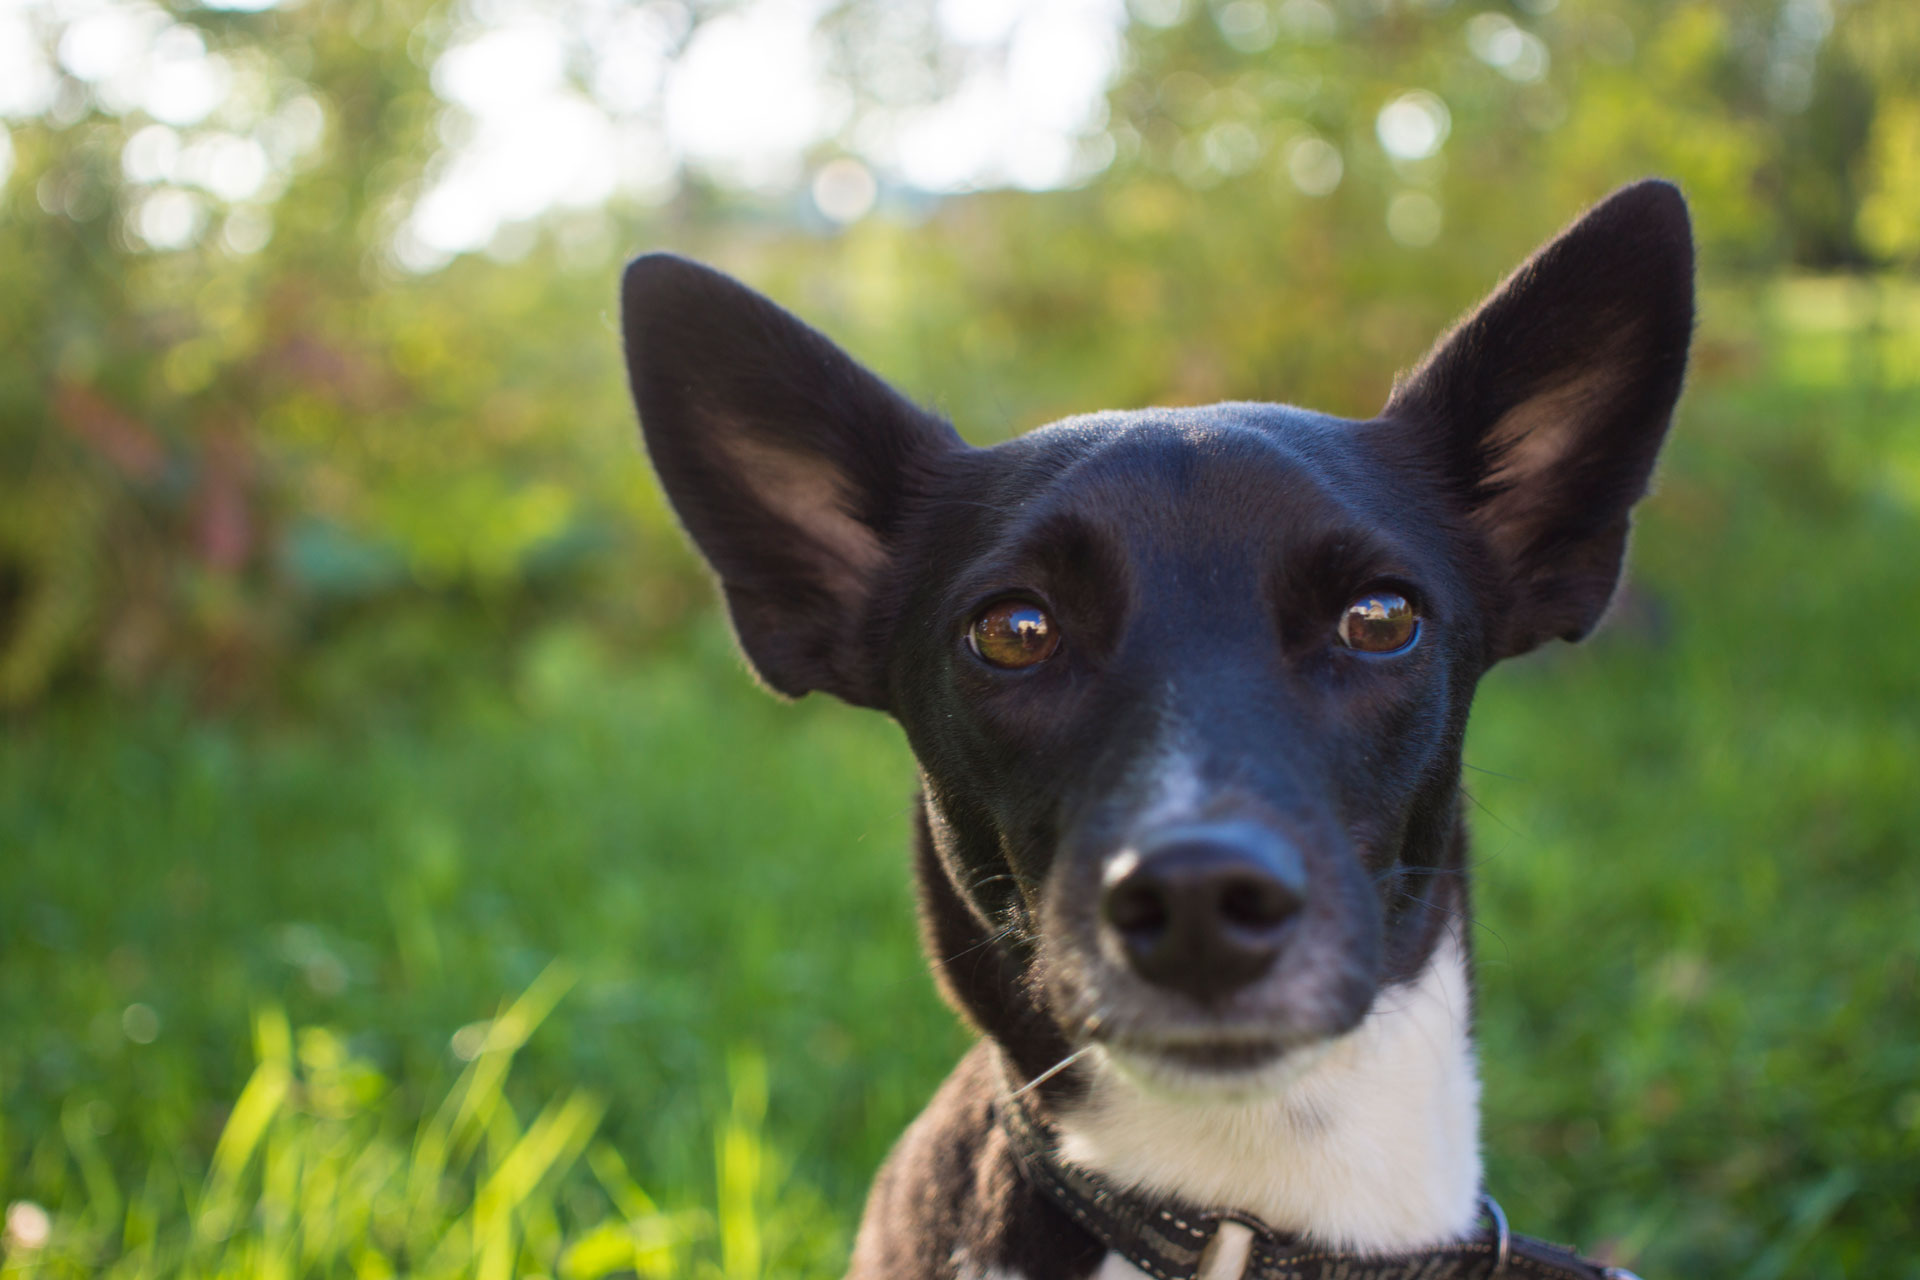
(398, 871)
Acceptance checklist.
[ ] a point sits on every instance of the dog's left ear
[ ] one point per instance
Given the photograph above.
(792, 467)
(1549, 403)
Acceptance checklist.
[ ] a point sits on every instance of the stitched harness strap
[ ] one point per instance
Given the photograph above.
(1170, 1241)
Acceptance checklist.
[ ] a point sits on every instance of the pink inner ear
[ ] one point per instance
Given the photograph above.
(807, 492)
(1528, 444)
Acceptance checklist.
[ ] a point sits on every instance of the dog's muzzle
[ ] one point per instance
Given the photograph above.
(1204, 909)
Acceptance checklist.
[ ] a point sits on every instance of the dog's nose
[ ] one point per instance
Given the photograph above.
(1204, 909)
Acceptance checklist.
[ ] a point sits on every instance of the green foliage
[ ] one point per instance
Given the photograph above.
(207, 451)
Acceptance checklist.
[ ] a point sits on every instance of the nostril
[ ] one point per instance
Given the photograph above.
(1256, 903)
(1137, 907)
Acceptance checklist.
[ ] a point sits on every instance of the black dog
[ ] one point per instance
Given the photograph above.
(1188, 689)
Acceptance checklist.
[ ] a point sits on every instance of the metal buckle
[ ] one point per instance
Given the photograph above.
(1503, 1240)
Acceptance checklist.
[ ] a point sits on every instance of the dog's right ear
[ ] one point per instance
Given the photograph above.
(790, 465)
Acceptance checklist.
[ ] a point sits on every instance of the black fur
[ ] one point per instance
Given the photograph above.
(1197, 563)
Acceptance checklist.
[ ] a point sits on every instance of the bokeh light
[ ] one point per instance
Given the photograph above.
(1413, 126)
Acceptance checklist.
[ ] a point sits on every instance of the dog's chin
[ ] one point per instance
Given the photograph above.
(1215, 1071)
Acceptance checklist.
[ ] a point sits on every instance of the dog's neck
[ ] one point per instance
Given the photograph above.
(1375, 1147)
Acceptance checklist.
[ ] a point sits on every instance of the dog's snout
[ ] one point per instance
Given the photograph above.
(1205, 909)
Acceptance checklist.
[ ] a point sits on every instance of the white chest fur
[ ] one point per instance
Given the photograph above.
(1375, 1147)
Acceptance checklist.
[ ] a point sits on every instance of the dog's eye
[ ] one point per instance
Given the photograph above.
(1379, 622)
(1014, 633)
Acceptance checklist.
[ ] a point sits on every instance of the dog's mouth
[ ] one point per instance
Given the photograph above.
(1273, 1026)
(1222, 1056)
(1171, 1046)
(1206, 1067)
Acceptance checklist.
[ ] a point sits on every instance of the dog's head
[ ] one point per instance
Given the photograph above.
(1187, 686)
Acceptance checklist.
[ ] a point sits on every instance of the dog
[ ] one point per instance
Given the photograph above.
(1187, 689)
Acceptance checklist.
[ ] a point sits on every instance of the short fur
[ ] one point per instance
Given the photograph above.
(1196, 563)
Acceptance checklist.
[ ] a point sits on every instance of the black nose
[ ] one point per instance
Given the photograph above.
(1204, 909)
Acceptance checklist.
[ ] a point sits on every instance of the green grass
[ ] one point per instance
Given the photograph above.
(389, 869)
(261, 979)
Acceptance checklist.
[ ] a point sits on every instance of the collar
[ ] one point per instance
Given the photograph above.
(1171, 1241)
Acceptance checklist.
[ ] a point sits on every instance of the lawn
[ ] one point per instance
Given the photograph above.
(259, 973)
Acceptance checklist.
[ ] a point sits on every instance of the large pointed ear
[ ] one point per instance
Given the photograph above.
(1546, 407)
(790, 465)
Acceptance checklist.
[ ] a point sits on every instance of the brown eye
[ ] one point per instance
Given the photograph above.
(1378, 622)
(1014, 633)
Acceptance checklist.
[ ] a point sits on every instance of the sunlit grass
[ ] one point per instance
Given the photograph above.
(317, 1174)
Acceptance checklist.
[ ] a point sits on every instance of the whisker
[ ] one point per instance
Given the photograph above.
(1492, 773)
(1054, 1070)
(1491, 814)
(1467, 917)
(1456, 912)
(984, 942)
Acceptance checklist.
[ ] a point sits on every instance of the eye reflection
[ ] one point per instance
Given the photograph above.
(1014, 633)
(1378, 622)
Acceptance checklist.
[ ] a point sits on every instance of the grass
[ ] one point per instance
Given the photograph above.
(262, 980)
(390, 869)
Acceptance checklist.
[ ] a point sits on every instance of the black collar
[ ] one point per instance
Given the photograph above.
(1169, 1240)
